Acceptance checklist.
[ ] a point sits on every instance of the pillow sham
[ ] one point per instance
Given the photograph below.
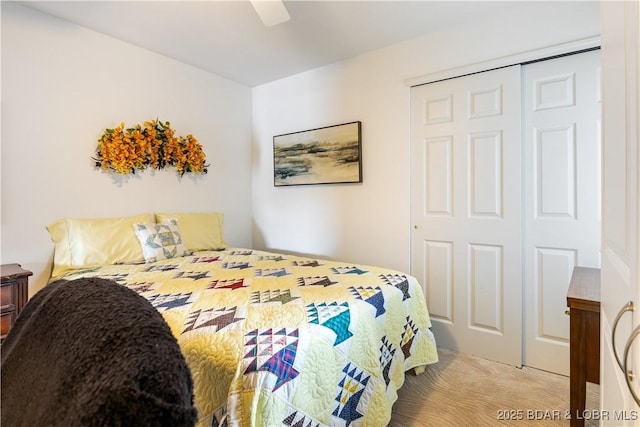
(200, 231)
(91, 242)
(160, 241)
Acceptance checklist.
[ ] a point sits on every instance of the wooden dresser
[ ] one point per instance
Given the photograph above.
(14, 292)
(583, 300)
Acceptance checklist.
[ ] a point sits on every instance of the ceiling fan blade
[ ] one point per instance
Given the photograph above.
(272, 12)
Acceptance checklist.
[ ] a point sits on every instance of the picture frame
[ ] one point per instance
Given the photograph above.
(326, 155)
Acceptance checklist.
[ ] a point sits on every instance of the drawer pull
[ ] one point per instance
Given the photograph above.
(628, 307)
(628, 375)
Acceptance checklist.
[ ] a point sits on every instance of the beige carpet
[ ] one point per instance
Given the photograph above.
(463, 390)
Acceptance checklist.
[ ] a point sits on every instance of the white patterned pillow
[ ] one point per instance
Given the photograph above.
(160, 241)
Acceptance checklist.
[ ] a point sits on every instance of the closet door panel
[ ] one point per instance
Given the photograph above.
(561, 111)
(466, 211)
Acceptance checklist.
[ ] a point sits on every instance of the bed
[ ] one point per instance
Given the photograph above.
(271, 339)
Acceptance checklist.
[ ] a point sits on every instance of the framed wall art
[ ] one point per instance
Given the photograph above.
(327, 155)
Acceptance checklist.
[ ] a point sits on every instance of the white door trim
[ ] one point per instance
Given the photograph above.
(505, 61)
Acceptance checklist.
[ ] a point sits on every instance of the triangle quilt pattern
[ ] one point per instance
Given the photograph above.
(315, 281)
(273, 352)
(387, 351)
(408, 335)
(352, 386)
(198, 260)
(373, 296)
(163, 302)
(348, 270)
(281, 296)
(299, 419)
(399, 281)
(232, 284)
(271, 272)
(216, 318)
(307, 263)
(334, 316)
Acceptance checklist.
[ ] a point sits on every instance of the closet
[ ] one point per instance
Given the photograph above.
(505, 201)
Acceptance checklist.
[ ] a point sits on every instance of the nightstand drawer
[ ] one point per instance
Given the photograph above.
(6, 320)
(6, 294)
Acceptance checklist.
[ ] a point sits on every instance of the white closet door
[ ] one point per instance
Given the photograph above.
(562, 198)
(620, 278)
(466, 210)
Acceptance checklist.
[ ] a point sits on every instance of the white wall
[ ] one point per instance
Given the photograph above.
(62, 85)
(370, 222)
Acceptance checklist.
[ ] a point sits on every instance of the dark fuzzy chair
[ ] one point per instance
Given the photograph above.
(90, 352)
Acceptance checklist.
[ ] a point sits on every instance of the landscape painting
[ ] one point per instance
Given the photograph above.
(328, 155)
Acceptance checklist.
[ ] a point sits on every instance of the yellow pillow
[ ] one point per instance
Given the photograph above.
(92, 242)
(200, 231)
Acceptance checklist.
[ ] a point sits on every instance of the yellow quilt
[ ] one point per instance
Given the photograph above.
(277, 340)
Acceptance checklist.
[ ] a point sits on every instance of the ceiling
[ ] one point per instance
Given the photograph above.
(229, 39)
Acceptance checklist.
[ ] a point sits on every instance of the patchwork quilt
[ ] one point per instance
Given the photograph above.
(276, 339)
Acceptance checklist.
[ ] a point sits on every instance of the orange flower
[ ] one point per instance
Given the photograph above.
(154, 145)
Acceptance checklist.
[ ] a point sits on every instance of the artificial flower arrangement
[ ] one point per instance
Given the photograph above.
(153, 145)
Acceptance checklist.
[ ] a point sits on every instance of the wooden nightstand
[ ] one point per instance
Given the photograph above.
(583, 300)
(14, 292)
